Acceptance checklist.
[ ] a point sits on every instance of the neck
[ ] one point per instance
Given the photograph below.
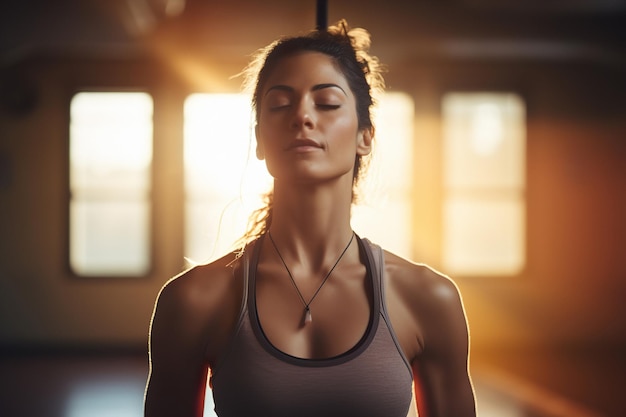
(311, 223)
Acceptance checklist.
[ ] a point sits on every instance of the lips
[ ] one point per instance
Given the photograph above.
(302, 144)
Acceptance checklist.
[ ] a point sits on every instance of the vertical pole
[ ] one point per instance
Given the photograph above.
(322, 15)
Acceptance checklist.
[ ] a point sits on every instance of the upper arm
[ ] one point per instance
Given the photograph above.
(442, 383)
(178, 366)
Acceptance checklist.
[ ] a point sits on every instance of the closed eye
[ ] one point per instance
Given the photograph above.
(279, 107)
(328, 106)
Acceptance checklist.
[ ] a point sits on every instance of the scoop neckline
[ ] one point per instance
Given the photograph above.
(346, 356)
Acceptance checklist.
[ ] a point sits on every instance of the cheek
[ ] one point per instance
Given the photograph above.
(271, 124)
(346, 130)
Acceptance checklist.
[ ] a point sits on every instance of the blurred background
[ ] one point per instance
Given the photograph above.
(501, 160)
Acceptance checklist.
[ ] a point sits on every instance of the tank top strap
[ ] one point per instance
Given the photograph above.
(245, 277)
(251, 266)
(377, 256)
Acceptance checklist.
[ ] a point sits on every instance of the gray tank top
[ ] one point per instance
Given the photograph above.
(254, 378)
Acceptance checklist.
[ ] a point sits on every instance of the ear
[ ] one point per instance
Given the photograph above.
(364, 141)
(260, 152)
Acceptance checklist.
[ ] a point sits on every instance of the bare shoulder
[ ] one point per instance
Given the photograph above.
(427, 307)
(420, 283)
(200, 285)
(201, 301)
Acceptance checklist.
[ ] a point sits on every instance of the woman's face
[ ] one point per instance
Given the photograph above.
(307, 128)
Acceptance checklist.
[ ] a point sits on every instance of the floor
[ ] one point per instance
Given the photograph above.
(111, 385)
(564, 382)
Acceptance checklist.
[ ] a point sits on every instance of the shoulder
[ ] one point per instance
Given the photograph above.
(192, 322)
(201, 286)
(431, 299)
(420, 282)
(203, 300)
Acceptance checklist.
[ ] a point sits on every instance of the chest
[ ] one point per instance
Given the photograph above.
(339, 311)
(258, 379)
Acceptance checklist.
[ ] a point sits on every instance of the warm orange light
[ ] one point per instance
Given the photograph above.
(224, 181)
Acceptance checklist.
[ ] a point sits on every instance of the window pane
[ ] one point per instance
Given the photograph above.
(110, 161)
(484, 142)
(484, 235)
(109, 237)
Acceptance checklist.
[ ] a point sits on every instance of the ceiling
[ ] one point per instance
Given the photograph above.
(545, 29)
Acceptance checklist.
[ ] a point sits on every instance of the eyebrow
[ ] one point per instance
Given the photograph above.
(316, 87)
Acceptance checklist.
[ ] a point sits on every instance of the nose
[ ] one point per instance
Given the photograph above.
(303, 115)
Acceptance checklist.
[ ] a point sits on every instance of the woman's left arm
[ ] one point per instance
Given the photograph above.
(443, 386)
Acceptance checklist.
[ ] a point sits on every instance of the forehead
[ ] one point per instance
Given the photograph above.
(306, 69)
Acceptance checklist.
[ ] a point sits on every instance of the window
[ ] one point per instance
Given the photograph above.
(484, 183)
(224, 180)
(110, 182)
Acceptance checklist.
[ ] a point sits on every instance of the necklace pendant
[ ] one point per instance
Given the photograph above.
(307, 316)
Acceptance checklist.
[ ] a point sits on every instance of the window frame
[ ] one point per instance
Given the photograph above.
(96, 75)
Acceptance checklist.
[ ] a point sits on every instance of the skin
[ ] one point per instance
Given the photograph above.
(308, 134)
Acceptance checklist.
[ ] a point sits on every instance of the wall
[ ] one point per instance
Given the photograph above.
(41, 302)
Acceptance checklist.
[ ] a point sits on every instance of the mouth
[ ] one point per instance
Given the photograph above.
(303, 145)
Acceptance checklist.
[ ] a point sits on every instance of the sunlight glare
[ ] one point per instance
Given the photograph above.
(104, 124)
(486, 128)
(224, 181)
(387, 189)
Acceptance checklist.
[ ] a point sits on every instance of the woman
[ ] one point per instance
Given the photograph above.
(308, 319)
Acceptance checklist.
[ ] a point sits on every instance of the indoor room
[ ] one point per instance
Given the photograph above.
(127, 156)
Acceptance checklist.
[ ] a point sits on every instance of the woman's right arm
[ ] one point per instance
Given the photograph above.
(192, 318)
(177, 361)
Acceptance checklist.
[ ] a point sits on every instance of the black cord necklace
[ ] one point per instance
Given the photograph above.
(307, 310)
